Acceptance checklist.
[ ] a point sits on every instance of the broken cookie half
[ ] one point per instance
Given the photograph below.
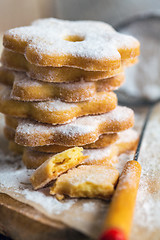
(91, 181)
(56, 165)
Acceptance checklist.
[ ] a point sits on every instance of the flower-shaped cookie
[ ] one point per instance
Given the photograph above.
(82, 131)
(89, 45)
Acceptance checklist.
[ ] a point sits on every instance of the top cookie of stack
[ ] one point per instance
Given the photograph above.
(89, 45)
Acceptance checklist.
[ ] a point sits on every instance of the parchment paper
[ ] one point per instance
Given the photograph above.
(87, 215)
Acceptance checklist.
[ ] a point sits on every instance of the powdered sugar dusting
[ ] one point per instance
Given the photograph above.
(126, 136)
(81, 126)
(58, 105)
(68, 92)
(21, 79)
(97, 154)
(148, 203)
(15, 176)
(47, 36)
(95, 174)
(55, 105)
(49, 106)
(89, 206)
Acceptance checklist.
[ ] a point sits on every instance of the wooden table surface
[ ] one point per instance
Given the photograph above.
(22, 222)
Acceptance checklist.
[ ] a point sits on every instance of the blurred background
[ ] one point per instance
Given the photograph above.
(21, 12)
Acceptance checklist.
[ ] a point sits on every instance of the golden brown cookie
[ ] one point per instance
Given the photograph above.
(105, 156)
(103, 141)
(127, 141)
(82, 131)
(16, 61)
(86, 181)
(56, 111)
(26, 89)
(55, 42)
(56, 165)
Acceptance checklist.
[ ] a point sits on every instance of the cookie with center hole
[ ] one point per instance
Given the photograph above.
(89, 45)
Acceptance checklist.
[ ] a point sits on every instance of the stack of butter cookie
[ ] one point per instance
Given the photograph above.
(56, 91)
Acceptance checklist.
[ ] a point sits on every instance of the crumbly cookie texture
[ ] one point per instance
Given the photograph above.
(80, 132)
(86, 181)
(55, 111)
(27, 89)
(56, 165)
(54, 42)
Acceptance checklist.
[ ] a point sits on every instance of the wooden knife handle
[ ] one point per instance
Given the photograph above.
(118, 222)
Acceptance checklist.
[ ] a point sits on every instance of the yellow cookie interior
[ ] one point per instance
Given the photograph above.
(92, 181)
(56, 165)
